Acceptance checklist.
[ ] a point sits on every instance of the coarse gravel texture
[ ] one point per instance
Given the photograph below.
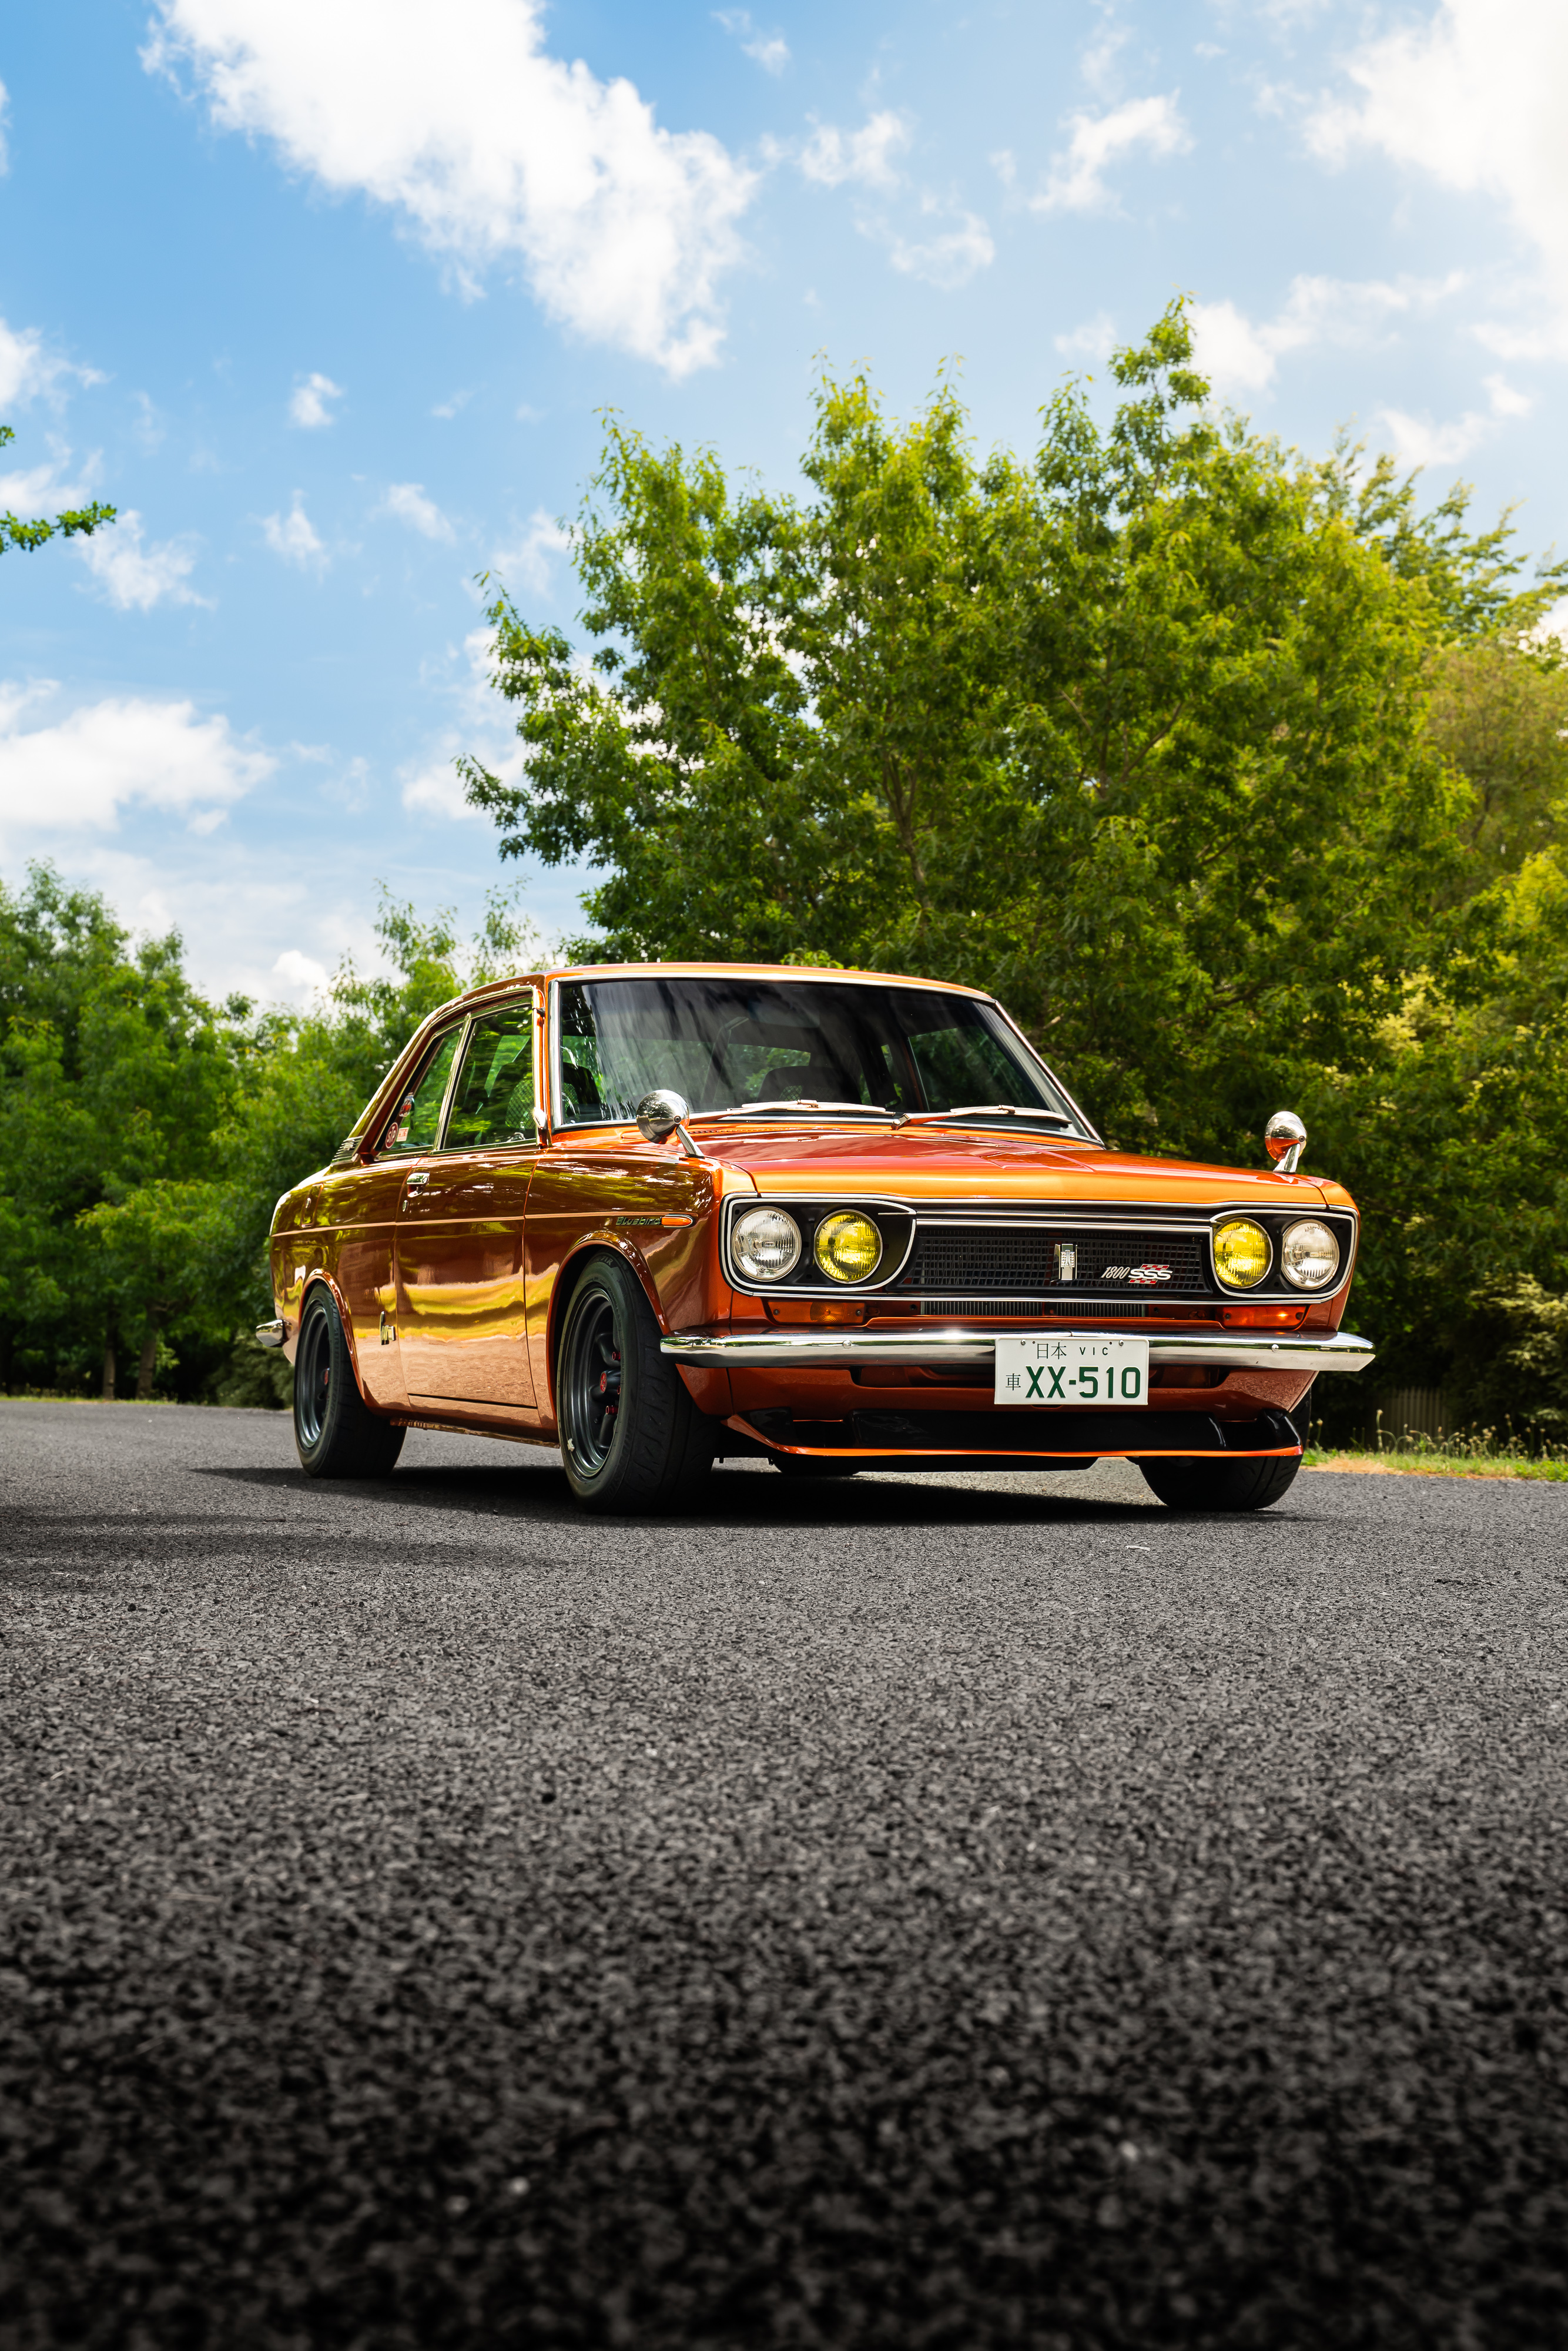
(901, 1911)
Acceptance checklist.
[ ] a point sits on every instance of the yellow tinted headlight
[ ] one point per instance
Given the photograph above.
(1241, 1254)
(849, 1247)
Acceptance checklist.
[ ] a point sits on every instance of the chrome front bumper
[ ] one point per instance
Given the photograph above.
(271, 1334)
(929, 1350)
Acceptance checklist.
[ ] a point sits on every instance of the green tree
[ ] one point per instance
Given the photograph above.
(1222, 765)
(76, 522)
(115, 1075)
(1498, 713)
(147, 1133)
(162, 1256)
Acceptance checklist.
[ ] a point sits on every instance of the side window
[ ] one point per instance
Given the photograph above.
(415, 1124)
(493, 1103)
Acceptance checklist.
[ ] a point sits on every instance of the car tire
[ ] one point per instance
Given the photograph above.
(812, 1464)
(1220, 1485)
(632, 1440)
(335, 1433)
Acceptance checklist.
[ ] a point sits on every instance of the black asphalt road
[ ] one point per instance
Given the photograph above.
(903, 1912)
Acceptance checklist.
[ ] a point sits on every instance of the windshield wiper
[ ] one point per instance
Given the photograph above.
(817, 1109)
(987, 1110)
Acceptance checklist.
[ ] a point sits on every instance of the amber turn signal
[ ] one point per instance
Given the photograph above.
(1262, 1318)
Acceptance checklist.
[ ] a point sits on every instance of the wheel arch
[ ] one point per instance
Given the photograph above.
(573, 1268)
(321, 1279)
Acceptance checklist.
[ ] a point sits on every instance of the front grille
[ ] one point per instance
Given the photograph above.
(974, 1262)
(954, 1310)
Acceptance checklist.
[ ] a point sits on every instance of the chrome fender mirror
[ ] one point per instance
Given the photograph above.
(663, 1113)
(1284, 1140)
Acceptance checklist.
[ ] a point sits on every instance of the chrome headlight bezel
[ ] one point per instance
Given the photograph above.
(1296, 1280)
(765, 1214)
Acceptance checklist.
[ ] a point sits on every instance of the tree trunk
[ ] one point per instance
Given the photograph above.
(148, 1365)
(109, 1371)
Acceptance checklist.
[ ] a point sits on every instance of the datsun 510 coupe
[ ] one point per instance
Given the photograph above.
(835, 1220)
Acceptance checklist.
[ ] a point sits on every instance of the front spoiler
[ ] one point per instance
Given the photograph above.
(738, 1351)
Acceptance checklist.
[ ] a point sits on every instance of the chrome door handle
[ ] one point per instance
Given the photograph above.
(420, 1175)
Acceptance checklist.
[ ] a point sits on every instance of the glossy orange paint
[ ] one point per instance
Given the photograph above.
(450, 1267)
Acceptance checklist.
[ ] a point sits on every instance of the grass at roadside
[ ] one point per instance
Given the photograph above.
(1468, 1453)
(1436, 1465)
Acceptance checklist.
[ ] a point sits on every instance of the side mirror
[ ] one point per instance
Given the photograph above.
(1284, 1140)
(663, 1113)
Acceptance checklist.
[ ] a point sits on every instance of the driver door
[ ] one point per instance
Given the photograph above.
(463, 1337)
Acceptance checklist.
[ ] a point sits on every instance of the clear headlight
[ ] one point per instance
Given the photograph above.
(765, 1244)
(849, 1247)
(1309, 1255)
(1242, 1253)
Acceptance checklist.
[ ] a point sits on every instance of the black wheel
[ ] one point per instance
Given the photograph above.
(1219, 1485)
(630, 1437)
(812, 1465)
(335, 1433)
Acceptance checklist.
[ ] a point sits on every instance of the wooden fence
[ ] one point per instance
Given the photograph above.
(1424, 1411)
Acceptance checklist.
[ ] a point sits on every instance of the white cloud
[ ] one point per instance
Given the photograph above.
(308, 407)
(1077, 181)
(1474, 97)
(52, 485)
(1238, 354)
(408, 502)
(133, 577)
(449, 111)
(436, 790)
(301, 974)
(28, 369)
(1094, 339)
(80, 773)
(528, 563)
(1098, 62)
(447, 409)
(949, 260)
(1505, 400)
(1416, 440)
(1549, 341)
(294, 538)
(831, 156)
(770, 50)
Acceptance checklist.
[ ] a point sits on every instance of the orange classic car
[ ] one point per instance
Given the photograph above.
(659, 1215)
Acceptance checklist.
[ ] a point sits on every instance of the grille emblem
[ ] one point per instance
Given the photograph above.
(1148, 1274)
(1066, 1255)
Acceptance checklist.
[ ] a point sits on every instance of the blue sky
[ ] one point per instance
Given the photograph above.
(326, 296)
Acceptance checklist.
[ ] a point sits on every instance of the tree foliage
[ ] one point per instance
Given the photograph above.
(1237, 774)
(147, 1132)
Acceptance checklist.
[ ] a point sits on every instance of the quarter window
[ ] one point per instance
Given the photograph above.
(493, 1103)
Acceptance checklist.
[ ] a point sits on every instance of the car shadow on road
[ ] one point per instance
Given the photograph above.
(538, 1493)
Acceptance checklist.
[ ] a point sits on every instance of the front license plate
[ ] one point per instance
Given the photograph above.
(1078, 1367)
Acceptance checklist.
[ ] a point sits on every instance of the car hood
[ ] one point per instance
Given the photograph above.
(924, 1163)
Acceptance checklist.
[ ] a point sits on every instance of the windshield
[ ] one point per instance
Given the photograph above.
(727, 1043)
